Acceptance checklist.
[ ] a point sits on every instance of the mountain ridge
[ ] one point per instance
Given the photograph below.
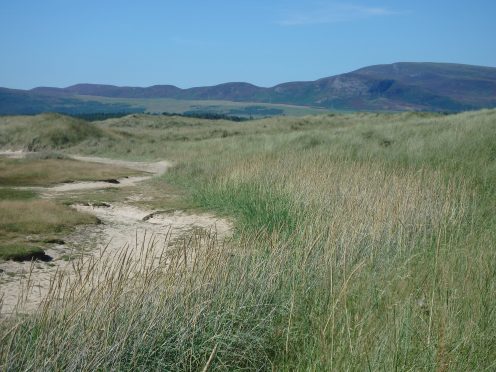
(401, 86)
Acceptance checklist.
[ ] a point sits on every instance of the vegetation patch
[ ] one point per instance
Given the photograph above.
(45, 172)
(24, 221)
(22, 253)
(39, 216)
(46, 132)
(15, 194)
(46, 155)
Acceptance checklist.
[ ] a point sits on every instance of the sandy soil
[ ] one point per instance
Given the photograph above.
(123, 226)
(14, 154)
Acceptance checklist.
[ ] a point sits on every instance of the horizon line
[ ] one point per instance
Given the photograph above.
(242, 82)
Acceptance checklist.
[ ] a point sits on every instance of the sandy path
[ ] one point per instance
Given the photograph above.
(18, 154)
(153, 168)
(122, 225)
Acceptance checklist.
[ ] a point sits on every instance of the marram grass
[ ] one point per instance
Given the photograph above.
(362, 242)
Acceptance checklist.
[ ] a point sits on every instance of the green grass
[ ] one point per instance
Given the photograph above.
(46, 131)
(38, 217)
(20, 252)
(24, 221)
(13, 194)
(412, 217)
(160, 105)
(362, 242)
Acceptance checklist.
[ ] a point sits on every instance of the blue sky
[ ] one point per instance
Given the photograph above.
(194, 43)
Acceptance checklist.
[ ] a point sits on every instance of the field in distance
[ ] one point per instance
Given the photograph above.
(230, 108)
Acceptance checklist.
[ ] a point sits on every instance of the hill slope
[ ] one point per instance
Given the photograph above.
(394, 87)
(21, 102)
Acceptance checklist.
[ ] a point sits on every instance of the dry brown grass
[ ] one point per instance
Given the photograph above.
(38, 216)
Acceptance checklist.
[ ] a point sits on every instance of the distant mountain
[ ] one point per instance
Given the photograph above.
(21, 102)
(399, 86)
(157, 91)
(227, 91)
(393, 87)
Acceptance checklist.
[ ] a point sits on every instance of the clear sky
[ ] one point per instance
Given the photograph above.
(194, 43)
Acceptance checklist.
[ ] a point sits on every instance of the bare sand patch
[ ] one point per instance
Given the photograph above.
(13, 154)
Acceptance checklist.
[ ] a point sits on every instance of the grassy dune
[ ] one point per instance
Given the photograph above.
(46, 131)
(362, 241)
(387, 224)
